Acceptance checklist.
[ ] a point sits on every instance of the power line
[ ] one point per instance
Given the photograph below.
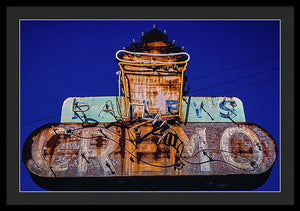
(252, 84)
(230, 81)
(234, 67)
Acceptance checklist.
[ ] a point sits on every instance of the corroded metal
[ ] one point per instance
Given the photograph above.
(152, 79)
(66, 150)
(154, 91)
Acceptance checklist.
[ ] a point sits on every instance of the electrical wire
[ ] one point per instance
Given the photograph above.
(231, 68)
(230, 81)
(180, 154)
(252, 84)
(93, 137)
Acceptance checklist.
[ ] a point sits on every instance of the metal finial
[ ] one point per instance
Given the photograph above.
(142, 33)
(173, 41)
(182, 47)
(165, 31)
(133, 40)
(153, 26)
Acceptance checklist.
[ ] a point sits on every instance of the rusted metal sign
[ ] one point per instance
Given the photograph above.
(73, 150)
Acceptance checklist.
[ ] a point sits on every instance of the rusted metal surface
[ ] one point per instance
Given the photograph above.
(153, 90)
(71, 150)
(152, 75)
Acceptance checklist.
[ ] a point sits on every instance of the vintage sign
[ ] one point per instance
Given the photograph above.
(152, 136)
(74, 150)
(194, 109)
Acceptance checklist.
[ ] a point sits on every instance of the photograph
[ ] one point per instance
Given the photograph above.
(163, 105)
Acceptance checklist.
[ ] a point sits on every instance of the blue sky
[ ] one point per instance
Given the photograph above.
(61, 59)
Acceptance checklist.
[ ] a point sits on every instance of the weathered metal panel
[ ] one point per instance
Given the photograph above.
(194, 109)
(198, 149)
(100, 109)
(212, 109)
(154, 90)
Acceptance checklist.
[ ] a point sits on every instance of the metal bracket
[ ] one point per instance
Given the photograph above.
(76, 105)
(106, 109)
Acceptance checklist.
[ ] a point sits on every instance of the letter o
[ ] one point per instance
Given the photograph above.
(226, 147)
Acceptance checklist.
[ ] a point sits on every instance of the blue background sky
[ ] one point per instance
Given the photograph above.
(61, 59)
